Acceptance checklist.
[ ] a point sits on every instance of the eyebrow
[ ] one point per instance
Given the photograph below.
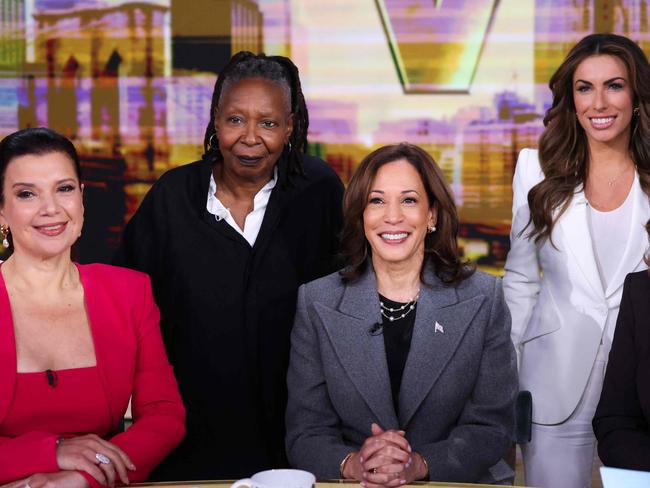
(402, 192)
(32, 185)
(604, 82)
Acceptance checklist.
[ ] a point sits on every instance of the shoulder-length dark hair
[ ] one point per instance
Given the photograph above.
(563, 148)
(280, 70)
(440, 247)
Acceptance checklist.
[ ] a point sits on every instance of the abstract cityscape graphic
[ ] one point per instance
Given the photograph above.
(130, 83)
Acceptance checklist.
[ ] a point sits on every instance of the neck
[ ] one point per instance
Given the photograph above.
(29, 273)
(236, 186)
(397, 282)
(609, 160)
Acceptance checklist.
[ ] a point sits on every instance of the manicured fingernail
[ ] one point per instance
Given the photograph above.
(403, 482)
(410, 450)
(360, 459)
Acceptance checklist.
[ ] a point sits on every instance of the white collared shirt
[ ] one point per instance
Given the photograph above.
(253, 221)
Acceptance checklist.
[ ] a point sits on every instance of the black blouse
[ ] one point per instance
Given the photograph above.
(397, 342)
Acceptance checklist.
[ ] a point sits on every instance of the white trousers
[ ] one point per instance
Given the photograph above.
(562, 455)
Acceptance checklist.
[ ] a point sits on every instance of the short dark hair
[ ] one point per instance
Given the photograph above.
(280, 70)
(440, 247)
(34, 141)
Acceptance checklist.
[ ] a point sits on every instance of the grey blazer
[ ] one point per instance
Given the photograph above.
(458, 390)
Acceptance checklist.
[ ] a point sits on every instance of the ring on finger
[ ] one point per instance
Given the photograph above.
(102, 458)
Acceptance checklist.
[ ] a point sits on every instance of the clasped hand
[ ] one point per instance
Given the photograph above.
(101, 459)
(385, 460)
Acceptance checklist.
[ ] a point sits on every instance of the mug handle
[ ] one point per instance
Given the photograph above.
(242, 482)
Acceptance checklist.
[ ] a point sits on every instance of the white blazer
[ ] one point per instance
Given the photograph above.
(560, 312)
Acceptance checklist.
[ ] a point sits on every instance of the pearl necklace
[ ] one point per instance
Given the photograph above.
(408, 307)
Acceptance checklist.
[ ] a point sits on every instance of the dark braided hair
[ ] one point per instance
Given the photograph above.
(278, 69)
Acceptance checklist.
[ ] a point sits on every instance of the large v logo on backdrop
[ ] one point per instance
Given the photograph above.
(436, 44)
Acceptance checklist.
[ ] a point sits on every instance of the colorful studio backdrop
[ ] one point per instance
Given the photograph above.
(130, 83)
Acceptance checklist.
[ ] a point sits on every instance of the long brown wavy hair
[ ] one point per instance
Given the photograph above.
(440, 247)
(563, 147)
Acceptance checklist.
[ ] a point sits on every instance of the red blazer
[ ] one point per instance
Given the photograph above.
(131, 361)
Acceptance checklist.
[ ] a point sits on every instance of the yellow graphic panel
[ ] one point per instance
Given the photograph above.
(436, 45)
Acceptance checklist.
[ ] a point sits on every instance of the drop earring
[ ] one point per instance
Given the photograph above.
(4, 233)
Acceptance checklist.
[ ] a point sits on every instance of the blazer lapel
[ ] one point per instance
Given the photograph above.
(637, 242)
(7, 352)
(361, 353)
(105, 342)
(440, 324)
(577, 239)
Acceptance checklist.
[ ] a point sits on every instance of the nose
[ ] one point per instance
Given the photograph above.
(600, 101)
(393, 213)
(249, 136)
(48, 204)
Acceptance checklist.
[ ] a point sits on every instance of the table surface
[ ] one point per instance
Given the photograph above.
(320, 484)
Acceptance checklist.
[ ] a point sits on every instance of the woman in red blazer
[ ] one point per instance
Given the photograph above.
(76, 341)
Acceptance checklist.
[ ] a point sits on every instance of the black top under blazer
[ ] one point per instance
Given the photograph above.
(227, 309)
(456, 401)
(621, 420)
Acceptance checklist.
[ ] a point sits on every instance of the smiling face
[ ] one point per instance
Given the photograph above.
(396, 216)
(253, 125)
(42, 205)
(603, 98)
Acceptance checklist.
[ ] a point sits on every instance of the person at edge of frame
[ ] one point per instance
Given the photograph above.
(579, 209)
(77, 341)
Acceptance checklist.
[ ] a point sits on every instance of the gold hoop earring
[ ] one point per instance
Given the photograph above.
(4, 233)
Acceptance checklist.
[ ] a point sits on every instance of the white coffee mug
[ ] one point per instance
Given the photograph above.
(278, 478)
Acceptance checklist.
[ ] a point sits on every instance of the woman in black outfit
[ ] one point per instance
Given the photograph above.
(227, 241)
(621, 420)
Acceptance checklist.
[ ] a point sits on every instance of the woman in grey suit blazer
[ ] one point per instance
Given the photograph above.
(401, 365)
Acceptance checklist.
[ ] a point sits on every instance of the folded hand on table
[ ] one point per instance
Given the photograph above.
(385, 460)
(62, 479)
(101, 459)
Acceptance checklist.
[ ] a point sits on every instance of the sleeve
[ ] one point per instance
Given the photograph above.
(158, 412)
(485, 427)
(522, 280)
(141, 247)
(22, 456)
(314, 440)
(336, 225)
(620, 425)
(327, 194)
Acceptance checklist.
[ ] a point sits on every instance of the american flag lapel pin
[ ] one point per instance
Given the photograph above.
(439, 328)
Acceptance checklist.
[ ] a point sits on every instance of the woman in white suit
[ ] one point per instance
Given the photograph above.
(579, 210)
